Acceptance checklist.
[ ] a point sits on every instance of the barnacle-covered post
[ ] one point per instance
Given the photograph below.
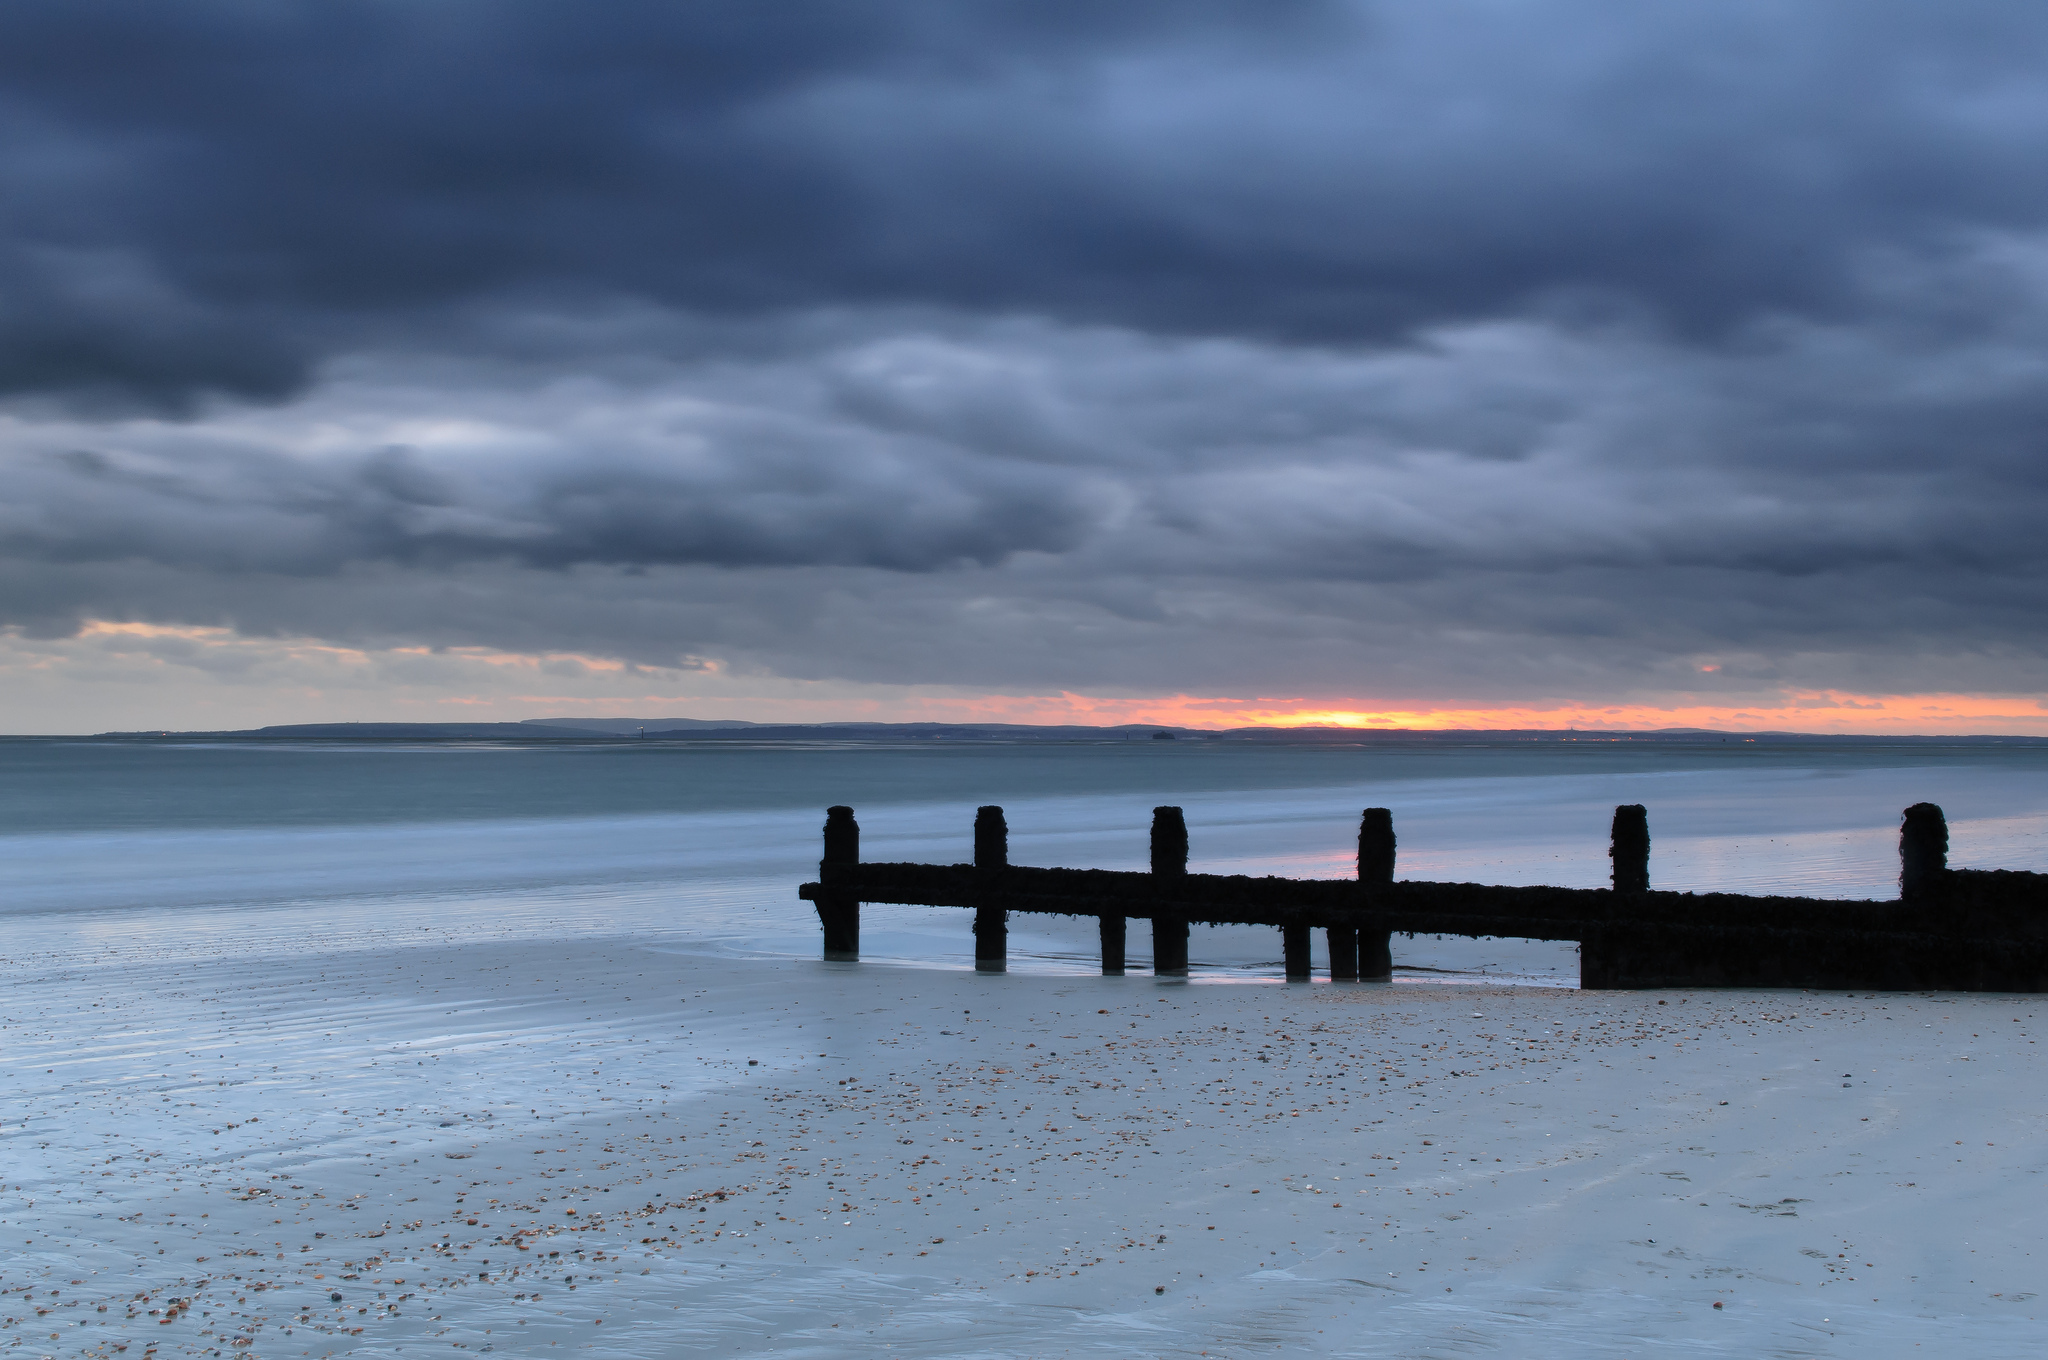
(838, 908)
(991, 924)
(1169, 865)
(1923, 852)
(1629, 848)
(1343, 953)
(1112, 945)
(1294, 949)
(1375, 870)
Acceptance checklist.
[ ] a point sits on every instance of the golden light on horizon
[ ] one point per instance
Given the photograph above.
(313, 680)
(1821, 712)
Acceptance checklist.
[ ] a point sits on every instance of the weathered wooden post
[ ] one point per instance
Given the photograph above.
(1343, 942)
(1923, 852)
(838, 908)
(1169, 864)
(1294, 948)
(1112, 946)
(991, 924)
(1629, 848)
(1375, 870)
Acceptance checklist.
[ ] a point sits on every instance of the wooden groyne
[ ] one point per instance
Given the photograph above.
(1948, 930)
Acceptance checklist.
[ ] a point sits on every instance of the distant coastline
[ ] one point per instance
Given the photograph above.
(609, 730)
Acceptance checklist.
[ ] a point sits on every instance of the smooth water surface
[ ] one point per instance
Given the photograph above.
(213, 847)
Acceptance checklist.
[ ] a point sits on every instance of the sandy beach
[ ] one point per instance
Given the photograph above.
(614, 1148)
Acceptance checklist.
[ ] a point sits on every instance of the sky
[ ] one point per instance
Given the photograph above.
(1456, 363)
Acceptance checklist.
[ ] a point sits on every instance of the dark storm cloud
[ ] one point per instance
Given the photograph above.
(1475, 344)
(217, 195)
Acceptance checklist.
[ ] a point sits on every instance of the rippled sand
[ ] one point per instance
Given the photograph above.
(609, 1147)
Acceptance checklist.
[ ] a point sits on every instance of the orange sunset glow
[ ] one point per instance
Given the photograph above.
(1825, 713)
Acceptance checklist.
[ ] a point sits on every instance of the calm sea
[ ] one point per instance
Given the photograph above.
(179, 848)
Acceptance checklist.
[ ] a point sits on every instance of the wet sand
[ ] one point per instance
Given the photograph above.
(614, 1148)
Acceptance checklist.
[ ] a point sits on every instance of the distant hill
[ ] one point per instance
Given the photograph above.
(376, 731)
(634, 726)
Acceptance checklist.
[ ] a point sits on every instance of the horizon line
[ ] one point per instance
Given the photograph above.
(734, 727)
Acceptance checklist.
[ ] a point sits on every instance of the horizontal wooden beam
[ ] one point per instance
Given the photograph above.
(1420, 908)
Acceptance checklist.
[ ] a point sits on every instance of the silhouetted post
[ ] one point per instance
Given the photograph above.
(1375, 870)
(838, 908)
(1923, 852)
(1629, 848)
(991, 924)
(1112, 946)
(1169, 862)
(1294, 947)
(1343, 953)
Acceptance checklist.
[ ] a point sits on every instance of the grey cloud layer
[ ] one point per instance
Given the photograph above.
(1277, 345)
(1017, 502)
(1510, 448)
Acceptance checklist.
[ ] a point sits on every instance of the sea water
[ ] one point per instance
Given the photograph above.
(194, 847)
